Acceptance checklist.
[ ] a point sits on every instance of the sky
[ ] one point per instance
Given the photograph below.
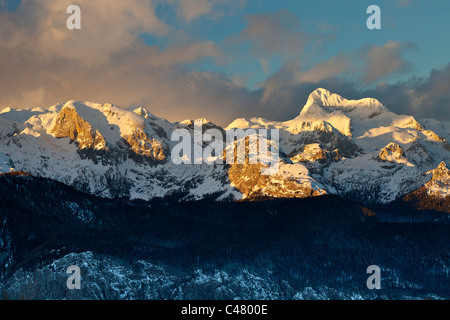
(226, 59)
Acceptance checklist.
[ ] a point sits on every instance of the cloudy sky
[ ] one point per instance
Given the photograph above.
(225, 59)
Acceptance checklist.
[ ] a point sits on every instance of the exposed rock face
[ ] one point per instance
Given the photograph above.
(143, 145)
(143, 112)
(441, 172)
(439, 185)
(247, 178)
(343, 145)
(435, 194)
(392, 153)
(412, 123)
(208, 250)
(70, 125)
(206, 125)
(333, 144)
(433, 136)
(314, 152)
(312, 126)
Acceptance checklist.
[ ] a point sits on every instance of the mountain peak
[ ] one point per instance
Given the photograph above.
(393, 152)
(144, 113)
(439, 185)
(69, 124)
(324, 97)
(6, 110)
(190, 122)
(322, 102)
(442, 170)
(75, 103)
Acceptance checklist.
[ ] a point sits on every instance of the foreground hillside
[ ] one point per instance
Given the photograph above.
(315, 248)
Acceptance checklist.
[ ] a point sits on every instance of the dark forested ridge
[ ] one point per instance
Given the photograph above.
(317, 242)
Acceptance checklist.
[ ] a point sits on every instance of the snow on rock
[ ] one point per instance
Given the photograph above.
(354, 148)
(110, 278)
(143, 112)
(393, 153)
(291, 181)
(408, 122)
(314, 152)
(330, 102)
(439, 185)
(70, 125)
(191, 122)
(339, 111)
(318, 125)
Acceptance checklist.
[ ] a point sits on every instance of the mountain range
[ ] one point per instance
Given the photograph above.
(94, 185)
(356, 149)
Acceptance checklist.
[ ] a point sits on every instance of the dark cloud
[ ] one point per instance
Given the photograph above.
(427, 97)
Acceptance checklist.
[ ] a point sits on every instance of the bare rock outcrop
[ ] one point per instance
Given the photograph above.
(69, 124)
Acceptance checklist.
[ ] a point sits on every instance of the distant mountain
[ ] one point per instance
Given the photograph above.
(357, 149)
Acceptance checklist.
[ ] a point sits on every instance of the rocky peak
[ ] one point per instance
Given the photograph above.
(410, 122)
(324, 97)
(144, 113)
(206, 125)
(314, 152)
(143, 145)
(439, 185)
(393, 152)
(191, 122)
(318, 125)
(441, 172)
(332, 102)
(69, 124)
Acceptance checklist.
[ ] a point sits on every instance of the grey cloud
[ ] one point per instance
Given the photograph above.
(374, 63)
(382, 61)
(272, 33)
(427, 97)
(278, 87)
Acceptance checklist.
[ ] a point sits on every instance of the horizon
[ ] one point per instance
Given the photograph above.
(224, 125)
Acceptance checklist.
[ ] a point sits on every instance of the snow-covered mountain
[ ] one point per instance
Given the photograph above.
(356, 149)
(439, 185)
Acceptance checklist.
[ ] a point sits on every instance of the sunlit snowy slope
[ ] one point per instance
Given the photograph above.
(356, 149)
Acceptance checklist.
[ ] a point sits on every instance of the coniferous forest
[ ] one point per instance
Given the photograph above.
(293, 244)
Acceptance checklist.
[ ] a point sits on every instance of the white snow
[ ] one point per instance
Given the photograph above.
(5, 163)
(25, 136)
